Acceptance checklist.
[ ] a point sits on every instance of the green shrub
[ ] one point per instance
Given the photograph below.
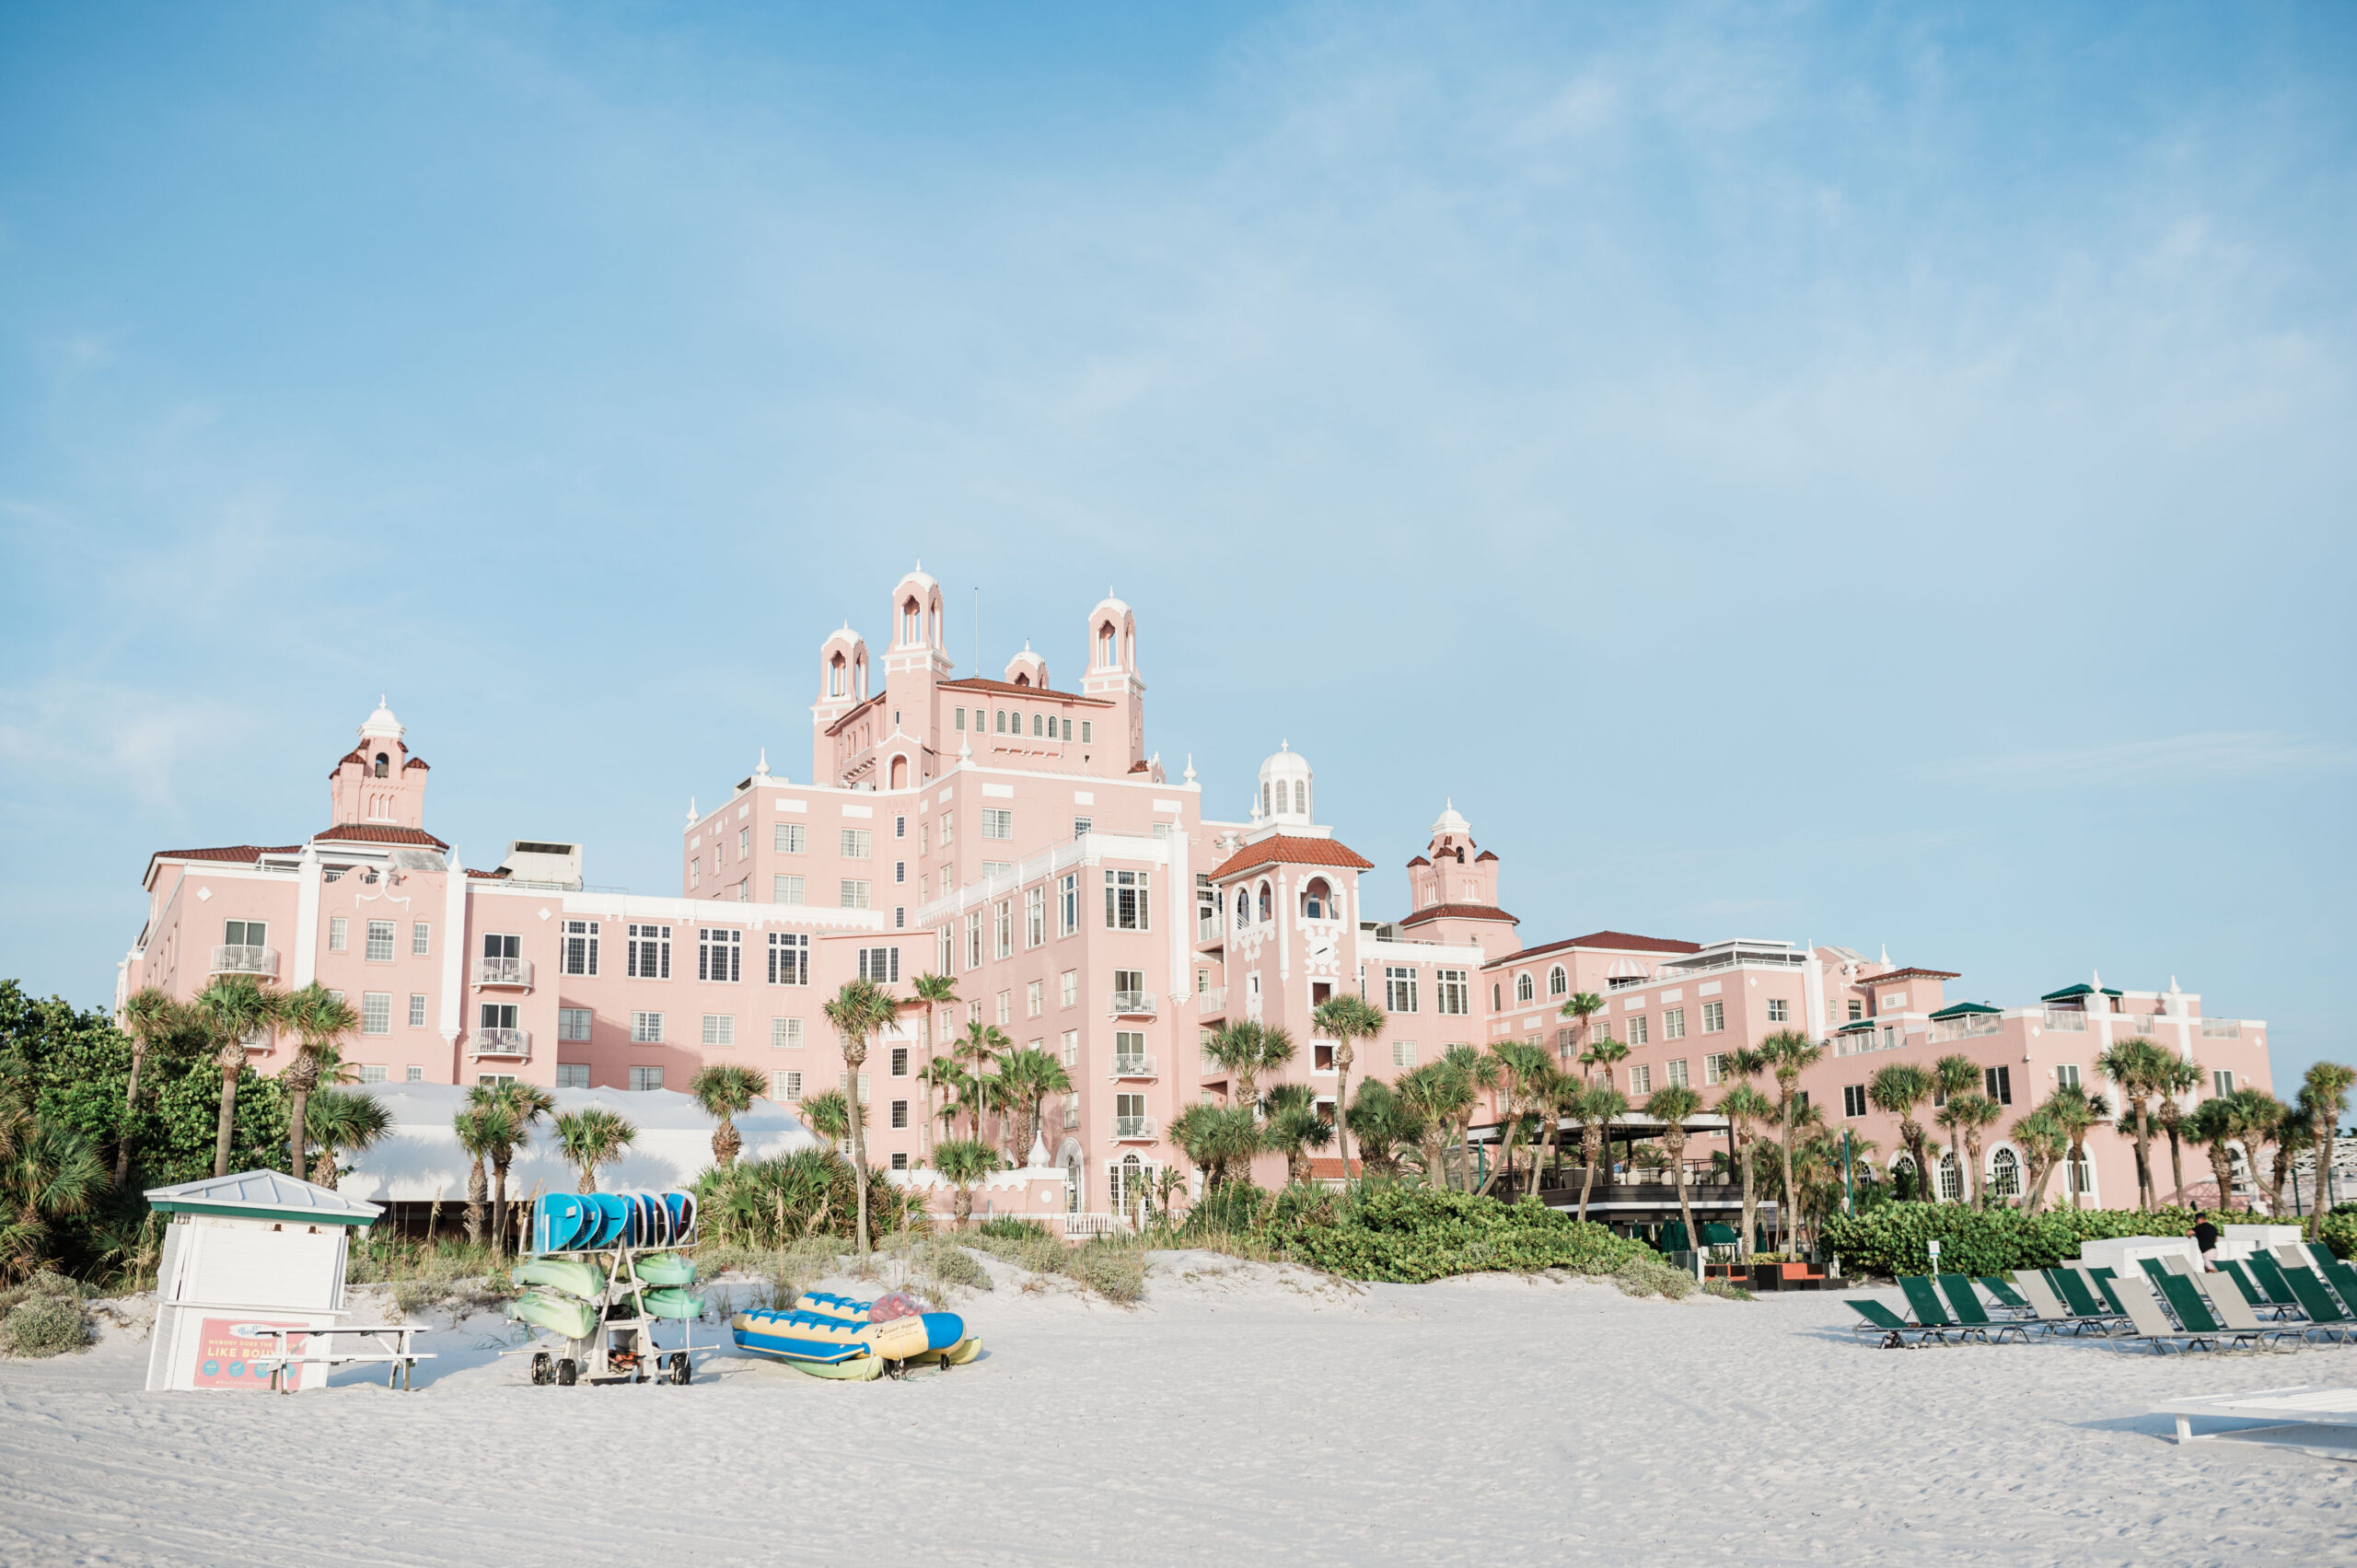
(1641, 1276)
(1114, 1270)
(943, 1260)
(1034, 1251)
(1409, 1235)
(1234, 1206)
(1891, 1239)
(2341, 1230)
(1013, 1227)
(1726, 1290)
(43, 1316)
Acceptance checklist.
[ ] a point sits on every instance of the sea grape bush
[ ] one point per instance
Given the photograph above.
(1891, 1240)
(1408, 1235)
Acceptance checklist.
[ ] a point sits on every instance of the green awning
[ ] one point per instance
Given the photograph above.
(2082, 989)
(1961, 1009)
(1854, 1025)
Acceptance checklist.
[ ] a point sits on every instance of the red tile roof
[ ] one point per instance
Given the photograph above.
(1458, 911)
(415, 762)
(1419, 860)
(237, 854)
(1009, 689)
(1328, 1168)
(499, 876)
(377, 833)
(1485, 854)
(856, 709)
(1607, 941)
(1284, 849)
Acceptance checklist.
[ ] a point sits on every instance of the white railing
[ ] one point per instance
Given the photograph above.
(1207, 930)
(1133, 1067)
(501, 1042)
(245, 961)
(1140, 1002)
(1864, 1040)
(2068, 1019)
(1212, 1002)
(2143, 1023)
(1134, 1129)
(503, 971)
(1966, 1027)
(2221, 1029)
(1679, 968)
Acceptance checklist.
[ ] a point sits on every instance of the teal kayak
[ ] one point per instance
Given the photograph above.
(574, 1276)
(558, 1314)
(672, 1302)
(667, 1269)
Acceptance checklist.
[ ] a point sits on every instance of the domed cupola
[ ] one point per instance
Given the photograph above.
(1285, 796)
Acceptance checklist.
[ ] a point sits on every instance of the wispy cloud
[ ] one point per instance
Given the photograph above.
(119, 742)
(2210, 756)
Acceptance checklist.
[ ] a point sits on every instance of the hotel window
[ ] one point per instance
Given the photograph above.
(785, 1034)
(900, 1120)
(787, 890)
(1399, 988)
(2067, 1076)
(1497, 997)
(961, 718)
(1068, 904)
(380, 950)
(719, 1029)
(857, 842)
(996, 868)
(1558, 981)
(647, 1029)
(786, 839)
(572, 1022)
(1641, 1079)
(1403, 1053)
(899, 826)
(1714, 1019)
(1035, 999)
(1673, 1024)
(1452, 992)
(1778, 1010)
(1853, 1099)
(1035, 916)
(371, 1072)
(417, 1076)
(1714, 1068)
(1006, 1007)
(246, 933)
(899, 1062)
(720, 955)
(1085, 728)
(1566, 1041)
(646, 954)
(925, 839)
(578, 952)
(2222, 1082)
(1522, 988)
(642, 1079)
(948, 828)
(420, 939)
(974, 939)
(375, 1012)
(881, 965)
(1857, 1009)
(1677, 1073)
(695, 875)
(744, 844)
(1125, 901)
(1603, 1029)
(899, 872)
(1002, 927)
(997, 822)
(1998, 1084)
(572, 1075)
(1070, 987)
(1083, 826)
(1637, 1035)
(998, 720)
(843, 1086)
(855, 894)
(785, 1084)
(1071, 1049)
(789, 957)
(417, 1009)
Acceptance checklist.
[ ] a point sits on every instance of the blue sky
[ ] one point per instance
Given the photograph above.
(1867, 475)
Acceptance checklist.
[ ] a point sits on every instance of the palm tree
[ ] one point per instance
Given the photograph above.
(861, 1011)
(953, 1083)
(939, 994)
(148, 1015)
(2262, 1115)
(2135, 1065)
(1745, 1108)
(1584, 1005)
(591, 1138)
(46, 1174)
(1671, 1106)
(342, 1123)
(1604, 1054)
(321, 1020)
(2076, 1112)
(1434, 1094)
(829, 1116)
(2179, 1077)
(1346, 1018)
(1480, 1070)
(2324, 1094)
(1955, 1075)
(235, 1007)
(1788, 1053)
(1971, 1115)
(1245, 1049)
(1896, 1090)
(1025, 1077)
(1523, 1070)
(483, 1128)
(524, 1104)
(962, 1162)
(1216, 1138)
(1291, 1127)
(1594, 1111)
(726, 1090)
(2215, 1126)
(1386, 1124)
(2043, 1141)
(982, 1044)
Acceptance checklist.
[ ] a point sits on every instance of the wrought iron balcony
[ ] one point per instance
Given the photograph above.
(1134, 1003)
(515, 1044)
(503, 972)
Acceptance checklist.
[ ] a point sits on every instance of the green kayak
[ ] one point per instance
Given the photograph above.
(672, 1302)
(667, 1269)
(575, 1276)
(558, 1314)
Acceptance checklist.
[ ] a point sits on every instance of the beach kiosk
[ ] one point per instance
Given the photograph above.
(252, 1268)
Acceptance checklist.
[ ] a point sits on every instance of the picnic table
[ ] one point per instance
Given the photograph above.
(393, 1345)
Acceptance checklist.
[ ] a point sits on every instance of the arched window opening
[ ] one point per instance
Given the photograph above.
(1558, 983)
(1264, 800)
(1522, 991)
(1904, 1183)
(835, 677)
(1301, 796)
(900, 772)
(1023, 679)
(383, 765)
(1951, 1179)
(1318, 899)
(1105, 645)
(1268, 907)
(909, 622)
(1243, 909)
(2006, 1175)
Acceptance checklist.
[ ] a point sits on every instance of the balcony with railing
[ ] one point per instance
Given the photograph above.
(1134, 1003)
(513, 1043)
(1944, 1030)
(1207, 928)
(242, 960)
(2069, 1020)
(1135, 1066)
(1133, 1130)
(2221, 1028)
(503, 972)
(1211, 1003)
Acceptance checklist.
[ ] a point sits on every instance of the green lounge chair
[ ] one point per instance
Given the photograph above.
(2234, 1310)
(1893, 1330)
(2154, 1329)
(2251, 1290)
(2269, 1274)
(2342, 1279)
(1925, 1302)
(2074, 1289)
(2104, 1281)
(2009, 1298)
(2195, 1317)
(2052, 1313)
(2325, 1316)
(1958, 1288)
(2153, 1269)
(2325, 1256)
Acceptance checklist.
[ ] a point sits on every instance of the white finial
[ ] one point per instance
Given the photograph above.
(1885, 952)
(919, 563)
(2173, 990)
(382, 701)
(1285, 745)
(692, 811)
(763, 770)
(2095, 978)
(1190, 768)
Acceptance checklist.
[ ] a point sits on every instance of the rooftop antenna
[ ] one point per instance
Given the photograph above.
(978, 629)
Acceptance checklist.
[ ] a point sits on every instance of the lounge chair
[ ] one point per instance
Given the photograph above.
(2195, 1317)
(1888, 1326)
(1972, 1315)
(1925, 1302)
(2104, 1281)
(2252, 1291)
(2049, 1309)
(2153, 1269)
(2010, 1299)
(2342, 1278)
(2153, 1328)
(2235, 1311)
(2076, 1289)
(2325, 1256)
(2324, 1315)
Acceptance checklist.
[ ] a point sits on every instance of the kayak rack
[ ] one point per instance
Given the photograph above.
(621, 1347)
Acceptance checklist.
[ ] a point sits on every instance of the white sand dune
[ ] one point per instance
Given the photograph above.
(1244, 1413)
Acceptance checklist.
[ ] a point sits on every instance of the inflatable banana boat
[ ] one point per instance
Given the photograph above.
(827, 1346)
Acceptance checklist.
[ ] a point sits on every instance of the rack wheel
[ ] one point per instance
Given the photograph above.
(543, 1369)
(682, 1373)
(568, 1371)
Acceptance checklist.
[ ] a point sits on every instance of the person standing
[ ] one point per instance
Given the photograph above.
(2205, 1236)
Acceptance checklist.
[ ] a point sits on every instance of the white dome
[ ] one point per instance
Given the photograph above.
(1450, 821)
(1108, 604)
(382, 723)
(1287, 763)
(919, 579)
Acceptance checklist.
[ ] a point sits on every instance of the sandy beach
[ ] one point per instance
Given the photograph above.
(1242, 1413)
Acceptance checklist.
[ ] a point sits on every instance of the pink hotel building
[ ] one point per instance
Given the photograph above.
(1022, 838)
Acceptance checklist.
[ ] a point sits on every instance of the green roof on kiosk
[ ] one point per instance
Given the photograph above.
(263, 1195)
